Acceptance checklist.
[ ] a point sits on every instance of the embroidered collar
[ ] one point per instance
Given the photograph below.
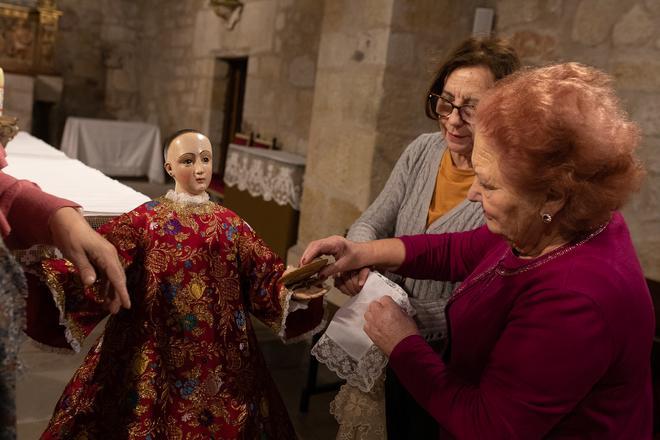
(186, 198)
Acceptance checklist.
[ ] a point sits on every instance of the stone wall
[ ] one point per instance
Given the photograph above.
(179, 73)
(371, 79)
(79, 58)
(343, 82)
(156, 60)
(623, 39)
(96, 57)
(121, 36)
(375, 64)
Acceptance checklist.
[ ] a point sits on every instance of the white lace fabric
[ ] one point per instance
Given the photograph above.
(186, 198)
(345, 349)
(360, 415)
(266, 175)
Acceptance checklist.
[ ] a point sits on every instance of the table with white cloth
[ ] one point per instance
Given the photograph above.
(100, 197)
(32, 159)
(116, 148)
(265, 188)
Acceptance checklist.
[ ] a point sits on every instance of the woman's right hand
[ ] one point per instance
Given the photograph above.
(88, 250)
(351, 282)
(387, 254)
(347, 254)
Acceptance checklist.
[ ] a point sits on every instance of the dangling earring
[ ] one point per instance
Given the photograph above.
(546, 218)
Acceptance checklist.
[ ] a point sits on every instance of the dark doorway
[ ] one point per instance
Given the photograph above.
(229, 93)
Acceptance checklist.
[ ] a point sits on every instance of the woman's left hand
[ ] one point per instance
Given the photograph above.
(387, 324)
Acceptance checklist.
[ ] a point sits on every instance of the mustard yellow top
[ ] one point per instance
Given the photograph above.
(451, 187)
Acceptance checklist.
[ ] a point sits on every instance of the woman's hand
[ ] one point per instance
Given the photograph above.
(86, 249)
(347, 254)
(387, 254)
(351, 282)
(387, 324)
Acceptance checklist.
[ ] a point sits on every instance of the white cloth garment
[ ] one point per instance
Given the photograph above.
(345, 348)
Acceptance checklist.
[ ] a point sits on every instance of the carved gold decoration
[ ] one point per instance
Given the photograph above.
(228, 10)
(8, 129)
(27, 37)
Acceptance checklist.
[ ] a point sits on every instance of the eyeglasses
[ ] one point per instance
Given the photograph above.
(441, 108)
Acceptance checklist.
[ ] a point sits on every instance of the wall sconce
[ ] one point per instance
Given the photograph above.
(228, 10)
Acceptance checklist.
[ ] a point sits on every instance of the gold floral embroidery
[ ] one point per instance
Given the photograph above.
(190, 367)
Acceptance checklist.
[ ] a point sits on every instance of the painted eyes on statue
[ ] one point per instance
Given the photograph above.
(189, 161)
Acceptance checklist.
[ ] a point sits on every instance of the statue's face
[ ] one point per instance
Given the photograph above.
(189, 160)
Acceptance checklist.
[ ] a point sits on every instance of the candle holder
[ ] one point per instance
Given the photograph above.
(8, 128)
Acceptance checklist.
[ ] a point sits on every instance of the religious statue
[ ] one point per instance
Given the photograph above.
(183, 362)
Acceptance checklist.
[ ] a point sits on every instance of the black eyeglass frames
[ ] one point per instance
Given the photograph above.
(441, 108)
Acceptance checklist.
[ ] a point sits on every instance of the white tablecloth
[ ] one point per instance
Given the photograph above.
(269, 174)
(32, 159)
(117, 148)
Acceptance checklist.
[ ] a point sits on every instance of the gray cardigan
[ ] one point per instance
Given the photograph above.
(402, 208)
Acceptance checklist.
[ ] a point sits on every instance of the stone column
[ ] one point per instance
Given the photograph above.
(376, 59)
(344, 128)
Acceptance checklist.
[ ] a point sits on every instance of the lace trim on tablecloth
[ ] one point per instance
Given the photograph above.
(266, 178)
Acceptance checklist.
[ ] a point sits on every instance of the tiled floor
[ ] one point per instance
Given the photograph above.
(46, 374)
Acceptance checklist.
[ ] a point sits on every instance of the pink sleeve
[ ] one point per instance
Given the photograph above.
(25, 212)
(446, 257)
(537, 372)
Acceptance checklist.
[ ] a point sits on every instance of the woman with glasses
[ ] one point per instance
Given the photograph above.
(426, 193)
(551, 330)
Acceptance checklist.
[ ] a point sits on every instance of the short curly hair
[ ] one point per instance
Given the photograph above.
(492, 52)
(561, 129)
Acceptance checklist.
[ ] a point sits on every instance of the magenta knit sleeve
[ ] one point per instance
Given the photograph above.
(536, 374)
(446, 257)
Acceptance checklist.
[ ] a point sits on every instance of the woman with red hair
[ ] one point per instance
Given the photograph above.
(550, 332)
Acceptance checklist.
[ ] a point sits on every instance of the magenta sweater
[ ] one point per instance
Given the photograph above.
(558, 346)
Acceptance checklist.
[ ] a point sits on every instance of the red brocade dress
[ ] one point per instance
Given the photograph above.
(183, 362)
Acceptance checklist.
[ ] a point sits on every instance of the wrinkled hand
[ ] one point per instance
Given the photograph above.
(387, 324)
(346, 253)
(351, 282)
(86, 249)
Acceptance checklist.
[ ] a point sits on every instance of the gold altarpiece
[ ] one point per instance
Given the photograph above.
(27, 36)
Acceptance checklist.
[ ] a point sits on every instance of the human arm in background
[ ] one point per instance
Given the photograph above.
(379, 220)
(447, 257)
(62, 310)
(30, 216)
